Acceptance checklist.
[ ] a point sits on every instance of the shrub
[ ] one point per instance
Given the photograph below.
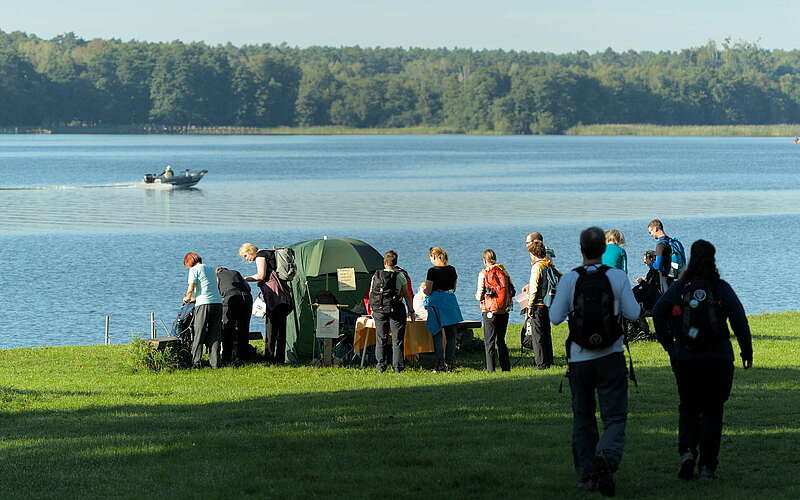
(143, 356)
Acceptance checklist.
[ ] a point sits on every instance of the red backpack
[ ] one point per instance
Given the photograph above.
(498, 291)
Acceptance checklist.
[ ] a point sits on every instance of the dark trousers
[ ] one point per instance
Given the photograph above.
(608, 377)
(445, 356)
(207, 326)
(236, 311)
(494, 340)
(703, 388)
(276, 334)
(384, 322)
(542, 340)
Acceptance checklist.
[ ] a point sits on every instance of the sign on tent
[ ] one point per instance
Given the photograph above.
(347, 279)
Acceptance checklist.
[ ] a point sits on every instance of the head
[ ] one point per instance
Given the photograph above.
(191, 259)
(438, 256)
(390, 258)
(489, 257)
(248, 252)
(655, 228)
(537, 249)
(616, 237)
(702, 263)
(534, 236)
(649, 257)
(593, 243)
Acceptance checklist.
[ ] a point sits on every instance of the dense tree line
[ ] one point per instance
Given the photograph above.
(68, 80)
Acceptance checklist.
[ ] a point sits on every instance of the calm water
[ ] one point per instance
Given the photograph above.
(81, 239)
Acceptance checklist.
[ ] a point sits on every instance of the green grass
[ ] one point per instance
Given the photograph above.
(777, 130)
(80, 422)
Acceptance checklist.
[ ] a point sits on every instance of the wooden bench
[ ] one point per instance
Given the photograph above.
(163, 342)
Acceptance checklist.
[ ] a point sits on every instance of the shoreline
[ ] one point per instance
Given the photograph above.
(622, 129)
(750, 318)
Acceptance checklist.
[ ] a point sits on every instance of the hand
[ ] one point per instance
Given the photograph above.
(747, 362)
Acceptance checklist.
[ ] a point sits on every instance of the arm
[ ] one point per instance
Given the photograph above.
(560, 307)
(533, 285)
(662, 317)
(261, 270)
(479, 290)
(739, 324)
(189, 292)
(627, 302)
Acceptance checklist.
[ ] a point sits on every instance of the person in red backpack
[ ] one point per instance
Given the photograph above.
(495, 293)
(538, 312)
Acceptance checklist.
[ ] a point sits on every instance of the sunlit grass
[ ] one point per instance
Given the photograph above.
(79, 422)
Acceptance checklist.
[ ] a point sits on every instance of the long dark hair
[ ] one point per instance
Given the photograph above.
(702, 263)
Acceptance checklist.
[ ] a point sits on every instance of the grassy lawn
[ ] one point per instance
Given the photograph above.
(79, 422)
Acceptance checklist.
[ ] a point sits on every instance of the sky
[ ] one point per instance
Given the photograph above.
(532, 25)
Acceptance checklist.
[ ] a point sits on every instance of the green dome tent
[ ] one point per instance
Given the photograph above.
(317, 262)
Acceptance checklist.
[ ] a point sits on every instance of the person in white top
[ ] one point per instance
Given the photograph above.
(596, 360)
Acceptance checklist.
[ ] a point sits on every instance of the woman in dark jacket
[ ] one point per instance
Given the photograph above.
(691, 321)
(275, 294)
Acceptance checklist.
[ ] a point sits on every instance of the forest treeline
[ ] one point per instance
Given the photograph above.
(70, 81)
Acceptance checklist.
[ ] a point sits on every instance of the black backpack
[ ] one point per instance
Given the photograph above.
(702, 319)
(383, 296)
(592, 322)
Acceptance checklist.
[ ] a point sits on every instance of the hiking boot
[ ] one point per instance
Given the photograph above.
(686, 472)
(603, 476)
(587, 485)
(707, 474)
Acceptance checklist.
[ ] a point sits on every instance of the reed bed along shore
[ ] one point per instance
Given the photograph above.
(778, 130)
(82, 422)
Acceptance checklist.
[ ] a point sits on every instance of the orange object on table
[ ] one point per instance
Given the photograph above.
(417, 339)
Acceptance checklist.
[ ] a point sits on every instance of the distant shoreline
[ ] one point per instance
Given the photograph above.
(629, 129)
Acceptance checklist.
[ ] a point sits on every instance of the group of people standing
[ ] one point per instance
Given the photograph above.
(691, 308)
(224, 303)
(691, 312)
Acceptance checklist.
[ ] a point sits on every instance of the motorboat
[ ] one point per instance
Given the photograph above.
(174, 180)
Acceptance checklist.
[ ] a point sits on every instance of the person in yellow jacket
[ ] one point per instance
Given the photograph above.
(538, 319)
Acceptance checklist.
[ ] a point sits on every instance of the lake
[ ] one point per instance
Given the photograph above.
(80, 238)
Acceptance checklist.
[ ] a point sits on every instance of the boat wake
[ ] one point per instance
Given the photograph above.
(55, 188)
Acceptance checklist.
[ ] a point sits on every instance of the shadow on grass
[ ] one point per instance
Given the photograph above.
(500, 437)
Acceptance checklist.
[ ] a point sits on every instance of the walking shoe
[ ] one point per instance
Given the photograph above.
(601, 473)
(587, 485)
(686, 472)
(707, 474)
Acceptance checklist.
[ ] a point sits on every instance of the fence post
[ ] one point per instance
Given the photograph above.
(152, 325)
(106, 338)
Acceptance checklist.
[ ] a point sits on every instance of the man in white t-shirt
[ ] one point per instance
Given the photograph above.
(596, 360)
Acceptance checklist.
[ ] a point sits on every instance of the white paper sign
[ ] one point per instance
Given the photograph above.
(327, 321)
(347, 279)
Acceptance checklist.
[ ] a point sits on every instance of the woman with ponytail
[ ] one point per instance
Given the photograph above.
(691, 321)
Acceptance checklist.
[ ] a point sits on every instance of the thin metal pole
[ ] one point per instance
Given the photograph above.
(153, 325)
(108, 318)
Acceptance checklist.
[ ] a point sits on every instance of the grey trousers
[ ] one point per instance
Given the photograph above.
(207, 331)
(608, 377)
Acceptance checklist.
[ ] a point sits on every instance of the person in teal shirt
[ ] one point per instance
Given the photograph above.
(615, 256)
